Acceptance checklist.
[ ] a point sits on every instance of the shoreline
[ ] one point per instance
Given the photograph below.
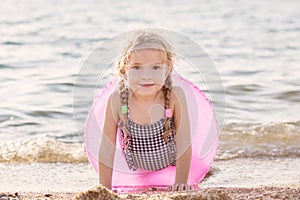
(240, 173)
(99, 192)
(251, 178)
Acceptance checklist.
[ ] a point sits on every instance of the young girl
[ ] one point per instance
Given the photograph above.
(152, 115)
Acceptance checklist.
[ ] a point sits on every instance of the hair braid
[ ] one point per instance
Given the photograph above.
(123, 94)
(167, 88)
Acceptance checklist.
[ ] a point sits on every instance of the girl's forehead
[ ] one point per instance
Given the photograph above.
(147, 56)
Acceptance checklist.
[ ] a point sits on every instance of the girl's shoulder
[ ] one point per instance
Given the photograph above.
(177, 95)
(114, 99)
(178, 99)
(115, 93)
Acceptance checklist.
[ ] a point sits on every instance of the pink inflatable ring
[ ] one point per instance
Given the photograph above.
(204, 134)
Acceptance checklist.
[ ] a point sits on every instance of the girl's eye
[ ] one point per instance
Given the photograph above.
(136, 67)
(156, 67)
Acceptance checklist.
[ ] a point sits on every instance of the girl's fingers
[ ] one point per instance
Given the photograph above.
(181, 187)
(184, 187)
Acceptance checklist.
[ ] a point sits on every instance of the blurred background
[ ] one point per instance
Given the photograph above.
(255, 46)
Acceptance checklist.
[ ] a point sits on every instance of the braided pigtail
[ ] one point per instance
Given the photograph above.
(126, 143)
(167, 88)
(124, 109)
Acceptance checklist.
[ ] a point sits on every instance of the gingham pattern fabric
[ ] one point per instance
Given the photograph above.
(146, 148)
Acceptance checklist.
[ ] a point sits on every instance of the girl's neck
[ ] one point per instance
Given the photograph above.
(146, 99)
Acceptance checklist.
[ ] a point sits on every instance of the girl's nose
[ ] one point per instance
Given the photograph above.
(146, 74)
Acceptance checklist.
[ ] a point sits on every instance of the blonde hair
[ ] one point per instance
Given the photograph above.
(147, 40)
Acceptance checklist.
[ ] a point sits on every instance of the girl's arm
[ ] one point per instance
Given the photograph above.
(183, 138)
(108, 143)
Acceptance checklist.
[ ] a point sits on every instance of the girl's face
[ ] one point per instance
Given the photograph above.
(146, 73)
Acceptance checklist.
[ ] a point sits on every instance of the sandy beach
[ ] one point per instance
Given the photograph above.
(45, 49)
(262, 178)
(99, 192)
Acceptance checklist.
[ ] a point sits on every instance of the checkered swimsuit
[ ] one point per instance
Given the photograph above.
(145, 147)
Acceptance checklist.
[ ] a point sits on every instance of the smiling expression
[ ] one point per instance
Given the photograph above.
(146, 72)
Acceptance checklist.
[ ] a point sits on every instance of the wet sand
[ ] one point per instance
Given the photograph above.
(259, 178)
(263, 192)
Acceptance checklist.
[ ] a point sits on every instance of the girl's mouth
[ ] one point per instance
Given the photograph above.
(147, 85)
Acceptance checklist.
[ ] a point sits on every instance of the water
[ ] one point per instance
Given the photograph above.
(43, 45)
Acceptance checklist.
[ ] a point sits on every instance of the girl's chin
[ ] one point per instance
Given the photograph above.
(146, 91)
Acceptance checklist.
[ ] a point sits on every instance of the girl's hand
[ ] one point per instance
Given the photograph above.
(181, 187)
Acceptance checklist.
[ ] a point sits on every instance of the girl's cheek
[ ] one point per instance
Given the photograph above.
(161, 79)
